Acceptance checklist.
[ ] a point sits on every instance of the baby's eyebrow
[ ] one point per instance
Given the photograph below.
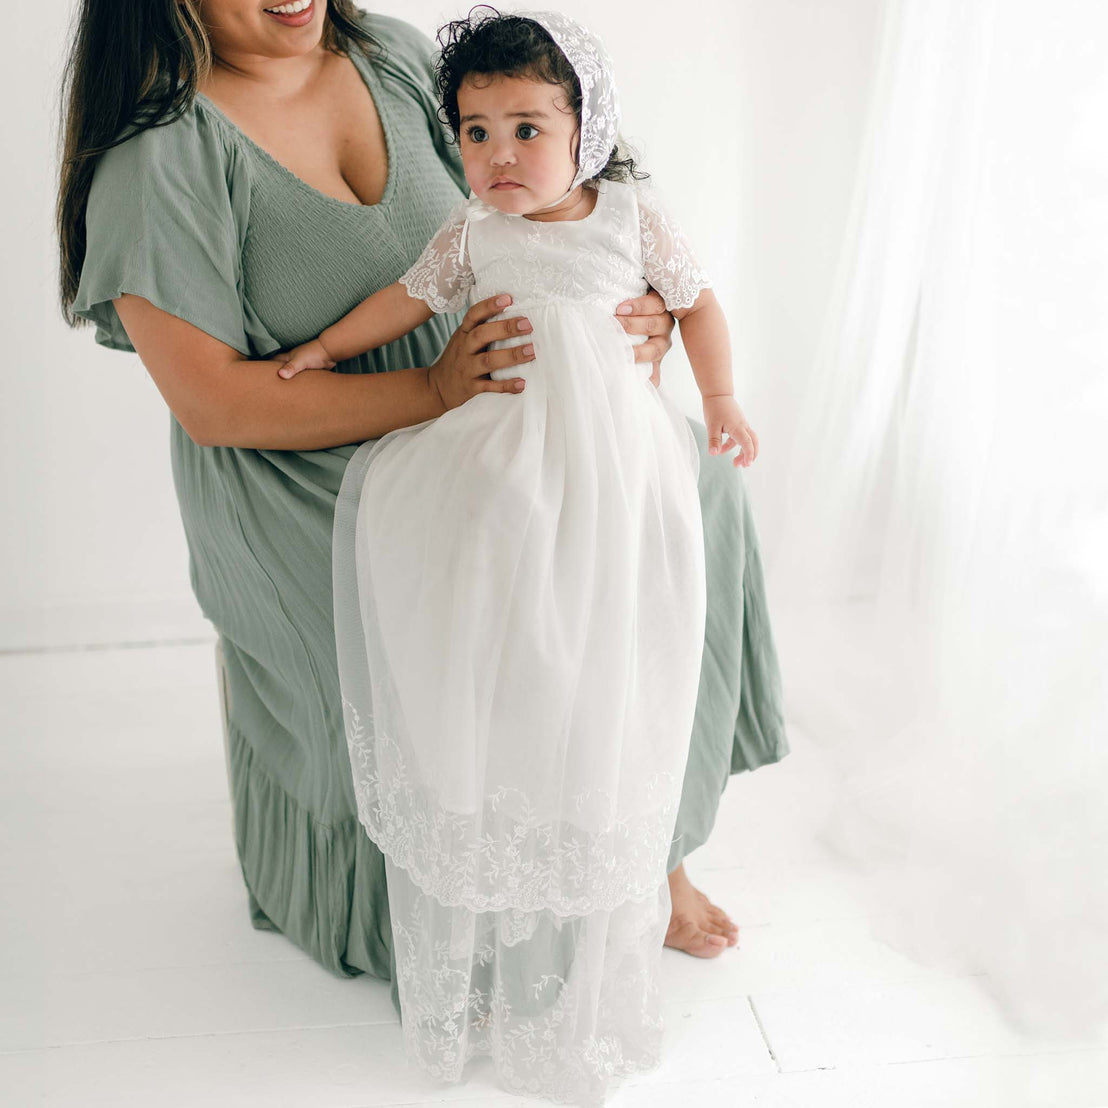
(511, 115)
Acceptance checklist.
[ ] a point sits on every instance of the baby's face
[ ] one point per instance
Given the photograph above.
(518, 141)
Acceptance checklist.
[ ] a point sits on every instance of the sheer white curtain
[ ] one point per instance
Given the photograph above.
(941, 592)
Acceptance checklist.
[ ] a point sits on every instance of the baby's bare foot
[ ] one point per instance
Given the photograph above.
(696, 925)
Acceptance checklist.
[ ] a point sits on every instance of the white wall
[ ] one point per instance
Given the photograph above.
(748, 115)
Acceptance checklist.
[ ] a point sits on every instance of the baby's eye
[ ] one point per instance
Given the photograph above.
(477, 134)
(526, 131)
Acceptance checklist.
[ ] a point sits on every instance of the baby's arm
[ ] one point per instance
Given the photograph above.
(672, 269)
(704, 334)
(379, 319)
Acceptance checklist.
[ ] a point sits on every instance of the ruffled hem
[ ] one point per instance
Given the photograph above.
(321, 885)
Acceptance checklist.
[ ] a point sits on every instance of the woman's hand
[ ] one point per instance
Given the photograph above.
(647, 315)
(308, 355)
(722, 415)
(462, 369)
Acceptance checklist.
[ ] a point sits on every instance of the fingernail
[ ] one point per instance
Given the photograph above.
(523, 325)
(503, 301)
(529, 350)
(624, 309)
(519, 386)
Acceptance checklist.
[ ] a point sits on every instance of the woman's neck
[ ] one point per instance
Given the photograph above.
(239, 75)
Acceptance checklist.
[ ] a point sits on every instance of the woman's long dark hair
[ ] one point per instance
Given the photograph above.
(135, 64)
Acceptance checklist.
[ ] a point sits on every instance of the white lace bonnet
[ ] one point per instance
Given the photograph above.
(599, 101)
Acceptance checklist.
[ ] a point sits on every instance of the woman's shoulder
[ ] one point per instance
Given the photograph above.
(403, 47)
(195, 143)
(398, 33)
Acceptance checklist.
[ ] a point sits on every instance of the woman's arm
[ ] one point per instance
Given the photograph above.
(223, 399)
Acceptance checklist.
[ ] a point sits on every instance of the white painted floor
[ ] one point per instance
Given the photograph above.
(130, 975)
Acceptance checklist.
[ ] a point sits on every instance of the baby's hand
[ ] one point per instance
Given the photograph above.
(309, 355)
(722, 415)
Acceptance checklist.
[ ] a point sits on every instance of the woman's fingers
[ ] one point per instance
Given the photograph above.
(501, 359)
(485, 333)
(647, 324)
(462, 368)
(650, 303)
(509, 384)
(484, 309)
(647, 315)
(653, 350)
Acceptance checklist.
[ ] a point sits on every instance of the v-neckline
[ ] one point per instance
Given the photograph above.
(373, 88)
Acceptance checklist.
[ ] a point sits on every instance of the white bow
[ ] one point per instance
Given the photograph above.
(475, 210)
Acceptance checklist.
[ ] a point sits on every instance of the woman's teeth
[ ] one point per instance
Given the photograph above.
(291, 9)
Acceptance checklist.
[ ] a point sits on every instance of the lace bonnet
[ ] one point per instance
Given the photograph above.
(599, 101)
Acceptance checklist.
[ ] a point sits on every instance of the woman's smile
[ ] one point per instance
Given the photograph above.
(296, 13)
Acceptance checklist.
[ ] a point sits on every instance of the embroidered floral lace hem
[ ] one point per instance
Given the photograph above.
(504, 858)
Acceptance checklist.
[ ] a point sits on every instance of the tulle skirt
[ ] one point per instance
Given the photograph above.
(519, 655)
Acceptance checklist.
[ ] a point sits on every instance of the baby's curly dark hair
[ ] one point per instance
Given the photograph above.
(487, 42)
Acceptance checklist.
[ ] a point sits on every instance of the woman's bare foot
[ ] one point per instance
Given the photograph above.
(696, 925)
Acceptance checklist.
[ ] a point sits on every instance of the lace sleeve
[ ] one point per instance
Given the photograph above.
(441, 276)
(671, 267)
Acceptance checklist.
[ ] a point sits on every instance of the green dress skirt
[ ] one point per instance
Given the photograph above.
(205, 225)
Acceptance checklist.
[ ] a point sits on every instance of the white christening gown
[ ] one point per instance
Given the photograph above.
(519, 632)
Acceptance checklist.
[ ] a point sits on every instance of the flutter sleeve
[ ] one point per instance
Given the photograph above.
(166, 220)
(670, 265)
(441, 276)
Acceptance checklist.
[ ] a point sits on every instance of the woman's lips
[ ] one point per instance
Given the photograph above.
(292, 19)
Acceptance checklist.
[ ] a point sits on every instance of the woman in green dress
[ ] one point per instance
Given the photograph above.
(235, 180)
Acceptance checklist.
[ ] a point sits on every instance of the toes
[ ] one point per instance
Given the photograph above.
(713, 927)
(684, 935)
(720, 917)
(718, 928)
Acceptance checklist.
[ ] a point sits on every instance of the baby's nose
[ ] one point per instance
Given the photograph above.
(503, 154)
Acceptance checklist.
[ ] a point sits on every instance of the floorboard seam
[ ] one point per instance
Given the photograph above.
(762, 1032)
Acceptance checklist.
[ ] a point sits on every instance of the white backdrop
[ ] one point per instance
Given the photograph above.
(747, 112)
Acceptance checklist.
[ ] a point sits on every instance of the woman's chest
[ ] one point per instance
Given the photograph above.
(308, 257)
(330, 135)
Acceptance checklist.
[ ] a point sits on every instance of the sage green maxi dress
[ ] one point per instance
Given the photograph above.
(204, 224)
